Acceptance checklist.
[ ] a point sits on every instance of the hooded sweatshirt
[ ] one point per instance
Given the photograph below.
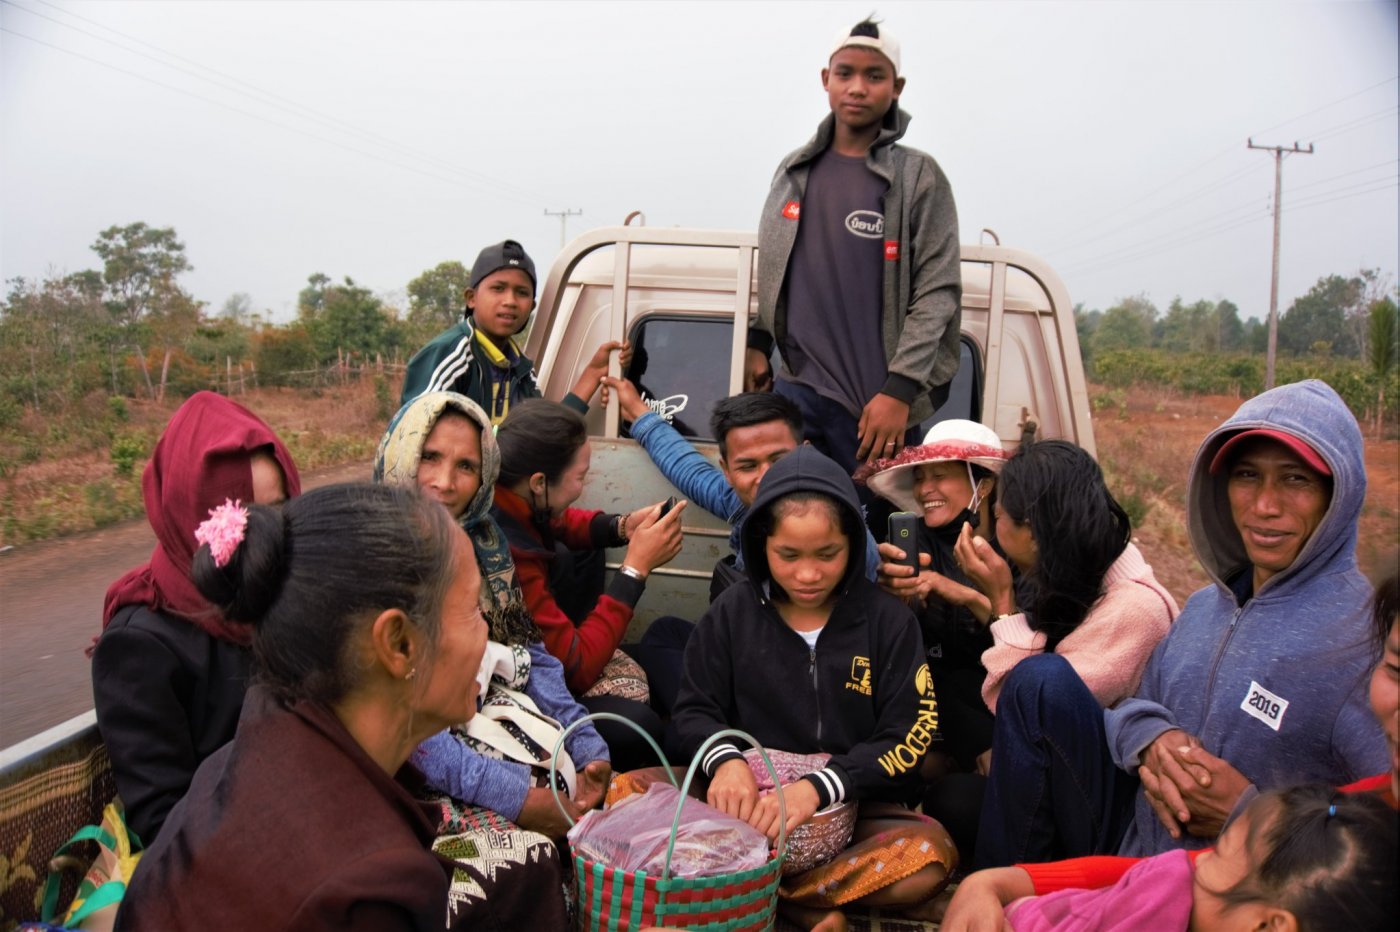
(169, 671)
(1275, 681)
(921, 297)
(862, 694)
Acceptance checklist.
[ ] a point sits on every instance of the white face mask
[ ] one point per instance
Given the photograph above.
(974, 517)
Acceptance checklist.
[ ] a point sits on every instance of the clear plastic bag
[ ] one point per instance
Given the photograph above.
(633, 835)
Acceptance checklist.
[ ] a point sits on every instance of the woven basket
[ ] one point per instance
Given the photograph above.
(612, 900)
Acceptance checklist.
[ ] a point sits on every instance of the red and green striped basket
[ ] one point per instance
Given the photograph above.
(612, 900)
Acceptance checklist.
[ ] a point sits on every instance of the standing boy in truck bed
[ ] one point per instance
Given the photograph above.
(859, 282)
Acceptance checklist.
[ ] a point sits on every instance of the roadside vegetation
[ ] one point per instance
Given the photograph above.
(93, 363)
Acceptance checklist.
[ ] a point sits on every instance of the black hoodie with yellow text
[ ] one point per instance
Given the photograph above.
(863, 694)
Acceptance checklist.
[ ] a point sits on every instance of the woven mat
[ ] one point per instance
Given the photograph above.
(872, 920)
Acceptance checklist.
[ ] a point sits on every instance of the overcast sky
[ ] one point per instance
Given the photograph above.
(376, 140)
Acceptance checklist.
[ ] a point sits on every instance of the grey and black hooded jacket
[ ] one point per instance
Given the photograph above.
(863, 694)
(1273, 681)
(921, 320)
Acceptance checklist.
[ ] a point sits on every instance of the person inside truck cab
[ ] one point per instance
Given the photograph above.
(479, 357)
(1261, 681)
(442, 443)
(169, 670)
(559, 561)
(753, 430)
(364, 607)
(859, 278)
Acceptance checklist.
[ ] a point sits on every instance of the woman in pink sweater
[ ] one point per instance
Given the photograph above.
(1085, 616)
(1087, 593)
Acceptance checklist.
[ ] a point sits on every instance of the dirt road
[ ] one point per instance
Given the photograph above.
(51, 607)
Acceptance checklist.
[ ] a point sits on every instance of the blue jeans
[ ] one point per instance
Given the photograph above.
(1054, 791)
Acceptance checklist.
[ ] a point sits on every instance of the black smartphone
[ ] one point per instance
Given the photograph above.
(666, 507)
(904, 534)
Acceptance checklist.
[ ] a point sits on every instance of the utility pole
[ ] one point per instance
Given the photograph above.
(563, 216)
(1279, 152)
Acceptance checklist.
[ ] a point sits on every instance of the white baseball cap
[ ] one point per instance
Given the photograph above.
(869, 35)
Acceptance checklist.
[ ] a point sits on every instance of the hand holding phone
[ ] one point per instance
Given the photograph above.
(666, 507)
(904, 534)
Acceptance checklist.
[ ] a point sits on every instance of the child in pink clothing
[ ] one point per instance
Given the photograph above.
(1307, 857)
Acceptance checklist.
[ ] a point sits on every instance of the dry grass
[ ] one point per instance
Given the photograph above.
(64, 475)
(59, 477)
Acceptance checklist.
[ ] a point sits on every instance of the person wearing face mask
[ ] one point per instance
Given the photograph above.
(949, 481)
(558, 552)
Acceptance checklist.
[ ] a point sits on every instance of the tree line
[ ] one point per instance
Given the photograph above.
(131, 329)
(1345, 330)
(1339, 316)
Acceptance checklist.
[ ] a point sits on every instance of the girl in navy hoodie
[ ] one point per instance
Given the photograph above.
(810, 657)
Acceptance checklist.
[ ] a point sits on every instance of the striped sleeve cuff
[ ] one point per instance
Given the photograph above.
(718, 755)
(830, 789)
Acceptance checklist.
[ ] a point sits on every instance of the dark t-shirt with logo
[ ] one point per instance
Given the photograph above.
(835, 283)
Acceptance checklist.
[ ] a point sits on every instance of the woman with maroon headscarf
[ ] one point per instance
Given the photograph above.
(168, 671)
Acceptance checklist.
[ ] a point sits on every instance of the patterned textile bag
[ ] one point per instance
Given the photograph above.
(626, 901)
(509, 725)
(827, 833)
(94, 906)
(506, 877)
(622, 677)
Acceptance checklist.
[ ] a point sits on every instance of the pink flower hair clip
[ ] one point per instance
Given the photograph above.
(223, 531)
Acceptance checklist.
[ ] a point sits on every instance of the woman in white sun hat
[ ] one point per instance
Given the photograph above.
(949, 481)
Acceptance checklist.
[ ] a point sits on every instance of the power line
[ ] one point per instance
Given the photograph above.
(255, 92)
(1196, 194)
(1205, 222)
(1180, 237)
(1197, 236)
(255, 116)
(1355, 124)
(1228, 214)
(1122, 209)
(563, 216)
(1326, 197)
(261, 96)
(1339, 100)
(1167, 184)
(1313, 184)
